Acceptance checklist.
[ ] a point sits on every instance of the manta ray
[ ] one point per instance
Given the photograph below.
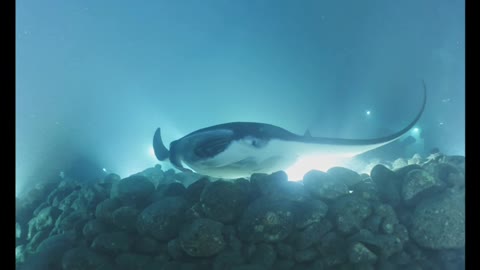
(239, 149)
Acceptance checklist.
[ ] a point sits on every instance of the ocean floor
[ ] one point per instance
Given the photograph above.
(407, 214)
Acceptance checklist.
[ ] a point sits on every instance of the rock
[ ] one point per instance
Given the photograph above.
(202, 238)
(266, 220)
(387, 265)
(157, 263)
(162, 219)
(366, 189)
(145, 245)
(401, 232)
(110, 178)
(323, 186)
(40, 208)
(457, 161)
(416, 159)
(332, 248)
(193, 191)
(349, 213)
(175, 250)
(112, 243)
(389, 218)
(388, 184)
(224, 201)
(267, 184)
(312, 234)
(401, 258)
(345, 176)
(169, 176)
(399, 163)
(389, 245)
(154, 174)
(277, 187)
(310, 212)
(402, 172)
(169, 190)
(249, 267)
(68, 200)
(293, 191)
(230, 237)
(452, 259)
(37, 239)
(306, 255)
(439, 221)
(443, 171)
(285, 265)
(188, 178)
(81, 204)
(105, 209)
(45, 220)
(134, 190)
(418, 184)
(82, 258)
(49, 252)
(132, 261)
(93, 228)
(172, 265)
(89, 198)
(359, 253)
(75, 220)
(18, 231)
(20, 254)
(284, 250)
(20, 234)
(25, 206)
(63, 190)
(57, 242)
(372, 223)
(108, 181)
(194, 212)
(227, 259)
(263, 255)
(386, 245)
(125, 218)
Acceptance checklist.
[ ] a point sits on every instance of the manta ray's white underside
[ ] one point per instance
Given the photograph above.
(240, 159)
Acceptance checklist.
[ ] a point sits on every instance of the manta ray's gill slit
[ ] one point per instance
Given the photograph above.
(212, 147)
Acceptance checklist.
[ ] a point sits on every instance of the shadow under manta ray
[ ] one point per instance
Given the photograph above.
(239, 149)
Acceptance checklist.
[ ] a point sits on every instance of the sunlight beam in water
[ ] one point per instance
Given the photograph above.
(314, 162)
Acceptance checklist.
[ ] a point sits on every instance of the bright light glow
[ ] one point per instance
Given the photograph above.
(368, 112)
(416, 130)
(151, 152)
(105, 170)
(314, 162)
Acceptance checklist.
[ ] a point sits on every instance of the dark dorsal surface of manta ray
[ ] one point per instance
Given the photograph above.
(239, 149)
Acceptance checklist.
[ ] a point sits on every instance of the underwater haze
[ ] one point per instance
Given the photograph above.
(94, 79)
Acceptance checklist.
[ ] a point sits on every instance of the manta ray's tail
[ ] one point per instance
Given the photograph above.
(161, 152)
(374, 141)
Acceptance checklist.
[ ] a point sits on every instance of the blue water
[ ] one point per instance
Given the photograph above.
(96, 78)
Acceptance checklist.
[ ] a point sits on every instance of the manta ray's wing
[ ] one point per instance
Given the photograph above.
(161, 152)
